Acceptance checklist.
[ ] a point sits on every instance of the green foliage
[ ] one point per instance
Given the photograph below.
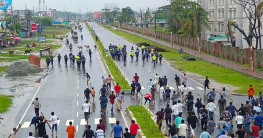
(8, 19)
(46, 21)
(3, 68)
(17, 27)
(215, 72)
(5, 102)
(144, 120)
(127, 16)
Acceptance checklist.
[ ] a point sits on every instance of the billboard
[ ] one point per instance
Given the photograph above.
(97, 14)
(34, 27)
(42, 39)
(4, 4)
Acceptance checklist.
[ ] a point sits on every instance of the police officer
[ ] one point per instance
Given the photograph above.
(132, 54)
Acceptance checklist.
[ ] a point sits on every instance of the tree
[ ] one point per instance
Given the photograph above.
(5, 12)
(28, 17)
(46, 21)
(8, 19)
(16, 27)
(127, 16)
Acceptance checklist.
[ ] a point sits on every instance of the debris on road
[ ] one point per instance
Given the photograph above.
(22, 68)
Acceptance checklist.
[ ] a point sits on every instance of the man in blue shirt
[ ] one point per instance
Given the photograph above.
(212, 94)
(103, 104)
(165, 80)
(117, 129)
(103, 90)
(258, 119)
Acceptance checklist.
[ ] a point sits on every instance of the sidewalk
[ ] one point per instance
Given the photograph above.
(205, 57)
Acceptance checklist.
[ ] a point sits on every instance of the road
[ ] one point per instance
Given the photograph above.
(147, 71)
(62, 92)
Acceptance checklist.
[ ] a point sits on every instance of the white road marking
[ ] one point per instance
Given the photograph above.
(77, 94)
(28, 106)
(172, 88)
(200, 88)
(112, 120)
(83, 122)
(191, 88)
(143, 88)
(25, 125)
(77, 87)
(77, 128)
(77, 114)
(78, 81)
(77, 103)
(67, 123)
(149, 70)
(97, 121)
(58, 121)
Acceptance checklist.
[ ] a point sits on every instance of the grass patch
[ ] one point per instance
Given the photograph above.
(147, 125)
(58, 31)
(3, 68)
(213, 71)
(114, 70)
(5, 102)
(37, 48)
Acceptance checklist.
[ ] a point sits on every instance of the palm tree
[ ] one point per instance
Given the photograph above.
(201, 19)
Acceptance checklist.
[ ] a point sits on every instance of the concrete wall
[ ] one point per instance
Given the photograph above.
(236, 54)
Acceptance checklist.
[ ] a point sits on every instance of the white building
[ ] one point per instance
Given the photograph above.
(221, 11)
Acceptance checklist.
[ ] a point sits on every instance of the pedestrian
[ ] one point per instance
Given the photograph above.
(182, 128)
(240, 133)
(13, 134)
(117, 89)
(87, 93)
(159, 118)
(71, 130)
(192, 120)
(109, 80)
(211, 126)
(257, 108)
(88, 133)
(239, 119)
(221, 122)
(205, 134)
(184, 78)
(103, 90)
(260, 132)
(175, 110)
(153, 91)
(260, 100)
(127, 134)
(132, 88)
(250, 92)
(92, 93)
(51, 60)
(231, 108)
(211, 108)
(180, 107)
(206, 83)
(37, 105)
(104, 81)
(204, 119)
(175, 96)
(138, 88)
(103, 104)
(223, 135)
(224, 131)
(255, 129)
(156, 80)
(134, 129)
(185, 91)
(48, 62)
(258, 119)
(178, 120)
(35, 120)
(172, 131)
(136, 77)
(190, 101)
(99, 133)
(41, 127)
(160, 82)
(165, 81)
(227, 115)
(223, 93)
(112, 99)
(212, 94)
(86, 109)
(221, 104)
(117, 129)
(54, 119)
(167, 94)
(198, 105)
(30, 135)
(148, 97)
(168, 114)
(120, 100)
(59, 58)
(242, 110)
(101, 125)
(178, 82)
(150, 84)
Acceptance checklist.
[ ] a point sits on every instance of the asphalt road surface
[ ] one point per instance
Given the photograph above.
(62, 92)
(147, 71)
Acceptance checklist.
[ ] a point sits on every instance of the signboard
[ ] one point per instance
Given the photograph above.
(4, 4)
(34, 27)
(40, 28)
(42, 39)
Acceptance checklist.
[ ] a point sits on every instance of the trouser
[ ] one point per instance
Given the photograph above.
(119, 103)
(164, 87)
(168, 120)
(167, 98)
(206, 86)
(221, 109)
(250, 97)
(103, 109)
(203, 124)
(210, 114)
(146, 99)
(181, 136)
(86, 115)
(198, 112)
(175, 117)
(160, 125)
(133, 135)
(37, 111)
(247, 127)
(132, 91)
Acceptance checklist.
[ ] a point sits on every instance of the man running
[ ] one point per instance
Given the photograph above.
(120, 99)
(86, 109)
(54, 120)
(37, 106)
(103, 104)
(112, 99)
(184, 78)
(93, 93)
(136, 77)
(206, 83)
(117, 89)
(156, 80)
(71, 130)
(117, 129)
(88, 133)
(177, 81)
(87, 93)
(109, 80)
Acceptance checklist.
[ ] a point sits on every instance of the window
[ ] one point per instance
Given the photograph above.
(233, 14)
(218, 26)
(218, 15)
(229, 14)
(212, 3)
(209, 3)
(222, 14)
(221, 27)
(222, 3)
(218, 2)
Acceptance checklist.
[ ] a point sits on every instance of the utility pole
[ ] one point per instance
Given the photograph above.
(155, 25)
(141, 17)
(39, 5)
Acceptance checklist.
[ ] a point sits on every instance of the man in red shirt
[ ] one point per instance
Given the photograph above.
(102, 126)
(117, 89)
(133, 129)
(136, 77)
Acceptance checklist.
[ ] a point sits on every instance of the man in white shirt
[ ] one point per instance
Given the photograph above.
(37, 105)
(86, 109)
(156, 80)
(175, 109)
(150, 84)
(180, 107)
(182, 129)
(30, 135)
(211, 108)
(54, 120)
(257, 109)
(239, 119)
(99, 133)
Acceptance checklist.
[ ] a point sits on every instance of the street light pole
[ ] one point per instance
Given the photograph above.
(155, 25)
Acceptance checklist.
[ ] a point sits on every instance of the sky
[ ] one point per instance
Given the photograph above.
(88, 5)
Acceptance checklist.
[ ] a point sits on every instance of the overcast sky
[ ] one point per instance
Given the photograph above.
(93, 5)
